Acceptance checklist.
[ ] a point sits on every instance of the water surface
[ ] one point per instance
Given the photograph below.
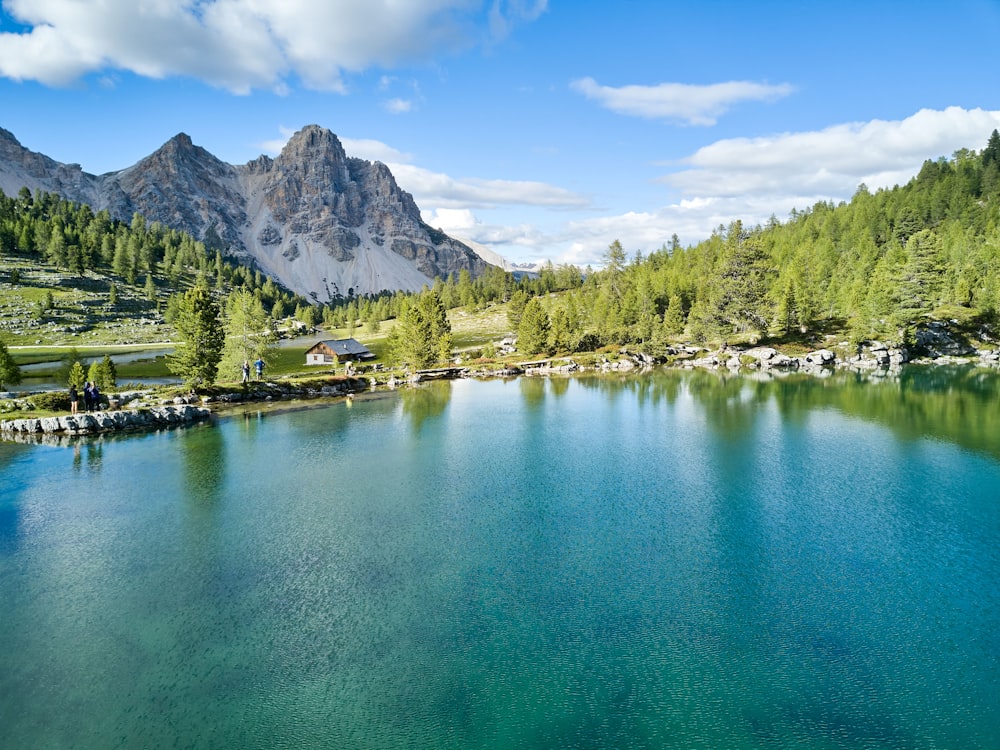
(676, 560)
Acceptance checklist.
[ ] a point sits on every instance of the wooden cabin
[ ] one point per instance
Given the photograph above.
(337, 351)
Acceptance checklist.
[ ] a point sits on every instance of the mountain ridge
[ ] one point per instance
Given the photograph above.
(322, 223)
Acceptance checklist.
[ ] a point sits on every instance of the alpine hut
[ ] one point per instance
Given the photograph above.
(336, 351)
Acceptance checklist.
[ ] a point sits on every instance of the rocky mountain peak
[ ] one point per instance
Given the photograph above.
(6, 135)
(315, 141)
(322, 223)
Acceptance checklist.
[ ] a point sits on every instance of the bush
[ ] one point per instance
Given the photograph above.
(51, 401)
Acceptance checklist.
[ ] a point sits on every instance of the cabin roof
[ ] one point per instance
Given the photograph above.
(341, 347)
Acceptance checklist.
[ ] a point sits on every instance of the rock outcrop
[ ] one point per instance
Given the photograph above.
(105, 421)
(320, 222)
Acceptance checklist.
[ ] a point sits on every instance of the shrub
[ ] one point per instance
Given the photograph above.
(51, 401)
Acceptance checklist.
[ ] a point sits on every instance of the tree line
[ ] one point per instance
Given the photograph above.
(147, 255)
(874, 267)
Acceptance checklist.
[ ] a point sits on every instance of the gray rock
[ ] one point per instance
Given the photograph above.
(937, 340)
(821, 358)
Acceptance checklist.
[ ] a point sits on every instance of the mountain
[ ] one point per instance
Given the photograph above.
(322, 223)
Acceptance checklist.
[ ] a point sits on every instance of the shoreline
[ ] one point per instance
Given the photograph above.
(142, 411)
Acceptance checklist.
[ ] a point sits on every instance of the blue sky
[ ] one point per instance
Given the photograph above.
(543, 129)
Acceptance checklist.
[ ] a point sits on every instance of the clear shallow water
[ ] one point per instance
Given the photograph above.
(672, 560)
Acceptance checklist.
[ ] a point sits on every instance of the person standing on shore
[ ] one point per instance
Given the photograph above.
(259, 366)
(88, 397)
(246, 371)
(74, 399)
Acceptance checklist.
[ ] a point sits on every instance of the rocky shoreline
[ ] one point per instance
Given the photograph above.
(129, 412)
(132, 412)
(89, 423)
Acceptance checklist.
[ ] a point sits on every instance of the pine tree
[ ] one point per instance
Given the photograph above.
(77, 375)
(411, 341)
(561, 332)
(737, 300)
(249, 335)
(533, 333)
(515, 308)
(10, 372)
(198, 323)
(422, 334)
(673, 316)
(434, 310)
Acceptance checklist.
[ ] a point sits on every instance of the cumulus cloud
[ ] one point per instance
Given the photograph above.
(274, 145)
(752, 179)
(443, 191)
(240, 45)
(833, 161)
(504, 14)
(372, 150)
(397, 106)
(679, 102)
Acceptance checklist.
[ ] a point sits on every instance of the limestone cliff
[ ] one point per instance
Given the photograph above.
(320, 222)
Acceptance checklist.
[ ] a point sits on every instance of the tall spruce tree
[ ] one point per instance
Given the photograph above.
(422, 334)
(249, 333)
(533, 333)
(10, 372)
(199, 326)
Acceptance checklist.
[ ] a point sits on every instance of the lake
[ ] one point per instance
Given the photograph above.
(667, 560)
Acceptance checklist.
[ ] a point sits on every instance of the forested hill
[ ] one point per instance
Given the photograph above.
(874, 267)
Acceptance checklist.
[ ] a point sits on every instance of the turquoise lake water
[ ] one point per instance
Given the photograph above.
(671, 560)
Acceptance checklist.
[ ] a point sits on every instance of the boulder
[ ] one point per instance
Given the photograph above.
(938, 340)
(821, 358)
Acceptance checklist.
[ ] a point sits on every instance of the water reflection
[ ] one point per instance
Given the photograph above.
(425, 402)
(957, 404)
(532, 391)
(203, 455)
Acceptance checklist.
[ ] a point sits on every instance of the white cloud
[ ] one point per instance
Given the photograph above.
(275, 145)
(438, 190)
(504, 14)
(754, 179)
(238, 45)
(398, 106)
(372, 150)
(833, 161)
(681, 102)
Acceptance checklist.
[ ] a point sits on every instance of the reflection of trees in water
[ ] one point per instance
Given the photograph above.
(425, 401)
(559, 386)
(204, 463)
(532, 391)
(652, 387)
(731, 402)
(957, 404)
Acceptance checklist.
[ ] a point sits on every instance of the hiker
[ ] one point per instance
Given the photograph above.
(88, 397)
(246, 371)
(74, 398)
(259, 366)
(95, 398)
